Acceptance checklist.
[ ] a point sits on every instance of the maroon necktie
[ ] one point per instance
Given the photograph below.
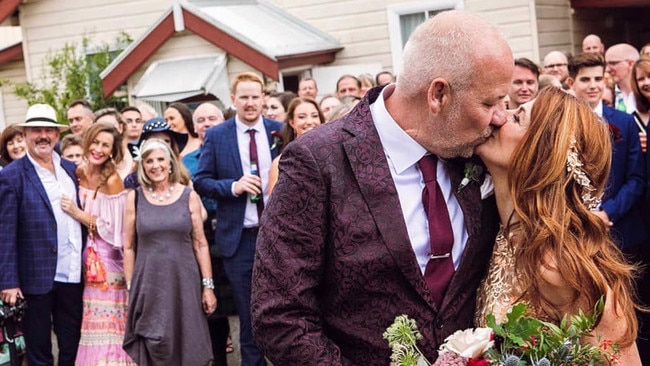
(253, 155)
(440, 267)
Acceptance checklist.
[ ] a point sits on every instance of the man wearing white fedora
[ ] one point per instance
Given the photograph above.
(40, 245)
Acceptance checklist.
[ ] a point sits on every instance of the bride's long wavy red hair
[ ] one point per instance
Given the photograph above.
(554, 221)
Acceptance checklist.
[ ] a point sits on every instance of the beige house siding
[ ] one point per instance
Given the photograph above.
(49, 24)
(554, 26)
(515, 19)
(362, 26)
(12, 108)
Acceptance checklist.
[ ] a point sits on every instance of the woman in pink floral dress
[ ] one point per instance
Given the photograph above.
(105, 297)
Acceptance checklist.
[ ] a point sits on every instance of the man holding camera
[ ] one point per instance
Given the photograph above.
(40, 245)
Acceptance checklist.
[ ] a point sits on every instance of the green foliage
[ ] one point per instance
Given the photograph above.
(402, 337)
(72, 72)
(532, 340)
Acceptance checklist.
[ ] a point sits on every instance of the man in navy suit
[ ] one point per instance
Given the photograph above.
(40, 245)
(233, 169)
(620, 207)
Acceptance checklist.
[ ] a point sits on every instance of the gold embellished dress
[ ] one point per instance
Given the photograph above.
(500, 288)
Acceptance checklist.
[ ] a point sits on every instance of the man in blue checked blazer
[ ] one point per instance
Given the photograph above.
(40, 245)
(235, 161)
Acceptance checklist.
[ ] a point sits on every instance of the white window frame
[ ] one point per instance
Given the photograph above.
(395, 11)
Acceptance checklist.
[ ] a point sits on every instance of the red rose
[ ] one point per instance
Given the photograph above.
(481, 362)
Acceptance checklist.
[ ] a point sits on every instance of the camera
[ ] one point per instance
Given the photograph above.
(12, 312)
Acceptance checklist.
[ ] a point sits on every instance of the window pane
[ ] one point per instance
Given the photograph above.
(408, 23)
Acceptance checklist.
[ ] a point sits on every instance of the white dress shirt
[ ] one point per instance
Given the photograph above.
(263, 163)
(403, 154)
(68, 230)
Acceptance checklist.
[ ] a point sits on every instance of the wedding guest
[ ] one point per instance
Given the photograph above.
(328, 104)
(205, 116)
(233, 169)
(278, 104)
(102, 198)
(72, 149)
(620, 208)
(112, 116)
(41, 245)
(179, 118)
(156, 128)
(641, 90)
(303, 115)
(549, 172)
(367, 83)
(384, 78)
(307, 88)
(12, 145)
(166, 265)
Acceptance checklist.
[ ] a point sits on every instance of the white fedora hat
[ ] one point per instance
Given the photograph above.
(41, 115)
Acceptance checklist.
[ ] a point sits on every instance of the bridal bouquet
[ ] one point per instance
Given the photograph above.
(519, 341)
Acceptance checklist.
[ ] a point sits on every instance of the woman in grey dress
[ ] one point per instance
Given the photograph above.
(167, 266)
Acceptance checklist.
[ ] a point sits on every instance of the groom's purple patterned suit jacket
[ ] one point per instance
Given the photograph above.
(334, 263)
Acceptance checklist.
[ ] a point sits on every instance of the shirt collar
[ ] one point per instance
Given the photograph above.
(243, 128)
(403, 151)
(56, 160)
(599, 109)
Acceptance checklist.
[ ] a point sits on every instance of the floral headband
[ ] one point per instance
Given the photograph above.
(574, 166)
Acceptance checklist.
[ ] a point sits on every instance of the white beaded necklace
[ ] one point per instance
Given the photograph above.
(161, 198)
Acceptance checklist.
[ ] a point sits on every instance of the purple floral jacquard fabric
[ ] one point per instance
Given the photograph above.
(334, 263)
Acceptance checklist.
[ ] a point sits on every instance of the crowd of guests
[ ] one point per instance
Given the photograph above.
(123, 234)
(117, 188)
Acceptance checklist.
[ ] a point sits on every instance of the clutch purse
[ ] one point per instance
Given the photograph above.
(95, 271)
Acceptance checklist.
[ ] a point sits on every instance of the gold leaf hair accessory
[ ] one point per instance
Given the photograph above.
(574, 167)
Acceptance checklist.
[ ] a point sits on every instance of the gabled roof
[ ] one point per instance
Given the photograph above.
(12, 52)
(261, 35)
(8, 8)
(184, 77)
(11, 47)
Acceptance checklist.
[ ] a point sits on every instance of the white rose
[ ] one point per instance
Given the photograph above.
(470, 343)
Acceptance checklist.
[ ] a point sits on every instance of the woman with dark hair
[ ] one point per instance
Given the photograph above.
(553, 252)
(303, 115)
(278, 105)
(12, 145)
(102, 198)
(179, 117)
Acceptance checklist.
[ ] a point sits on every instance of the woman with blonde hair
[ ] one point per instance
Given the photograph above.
(102, 197)
(550, 166)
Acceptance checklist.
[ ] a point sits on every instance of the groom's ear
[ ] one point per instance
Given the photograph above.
(438, 95)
